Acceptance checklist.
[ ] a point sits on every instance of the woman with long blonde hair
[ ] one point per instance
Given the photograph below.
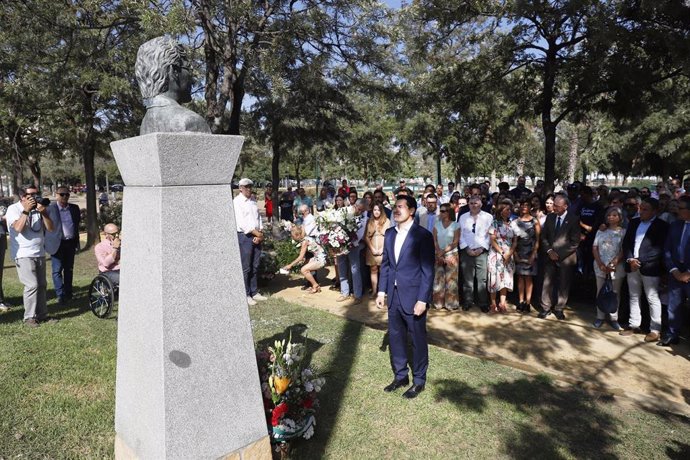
(377, 225)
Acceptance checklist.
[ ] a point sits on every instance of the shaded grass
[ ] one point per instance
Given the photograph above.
(57, 395)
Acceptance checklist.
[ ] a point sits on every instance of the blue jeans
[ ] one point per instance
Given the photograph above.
(62, 264)
(351, 263)
(250, 255)
(677, 292)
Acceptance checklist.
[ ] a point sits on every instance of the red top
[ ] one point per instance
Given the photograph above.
(268, 203)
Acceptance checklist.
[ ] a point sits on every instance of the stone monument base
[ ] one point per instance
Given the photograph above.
(187, 383)
(259, 450)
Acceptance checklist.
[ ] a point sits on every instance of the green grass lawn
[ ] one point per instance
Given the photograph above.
(57, 396)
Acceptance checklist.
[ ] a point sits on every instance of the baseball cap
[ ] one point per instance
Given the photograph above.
(246, 182)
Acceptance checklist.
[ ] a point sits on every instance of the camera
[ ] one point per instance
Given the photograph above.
(40, 200)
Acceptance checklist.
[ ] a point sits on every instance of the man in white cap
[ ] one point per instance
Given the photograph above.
(250, 235)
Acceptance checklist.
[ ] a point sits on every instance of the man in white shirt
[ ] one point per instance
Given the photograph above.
(250, 235)
(27, 221)
(474, 246)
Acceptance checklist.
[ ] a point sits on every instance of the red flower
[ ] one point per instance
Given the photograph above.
(308, 403)
(280, 410)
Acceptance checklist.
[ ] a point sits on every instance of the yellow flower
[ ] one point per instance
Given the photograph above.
(280, 384)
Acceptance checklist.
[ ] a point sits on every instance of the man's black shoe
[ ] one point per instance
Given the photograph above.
(466, 307)
(395, 384)
(559, 314)
(485, 308)
(306, 287)
(413, 391)
(668, 341)
(544, 313)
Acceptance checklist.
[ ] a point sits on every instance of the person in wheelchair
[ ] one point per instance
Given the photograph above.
(108, 253)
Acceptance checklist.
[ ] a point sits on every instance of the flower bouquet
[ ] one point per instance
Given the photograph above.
(289, 391)
(338, 230)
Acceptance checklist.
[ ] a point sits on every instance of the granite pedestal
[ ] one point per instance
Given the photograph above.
(187, 385)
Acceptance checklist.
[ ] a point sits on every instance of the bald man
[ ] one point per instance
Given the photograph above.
(108, 253)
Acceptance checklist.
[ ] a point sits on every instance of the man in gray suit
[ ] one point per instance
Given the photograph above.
(560, 237)
(427, 216)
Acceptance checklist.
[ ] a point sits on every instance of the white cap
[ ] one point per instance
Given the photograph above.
(245, 182)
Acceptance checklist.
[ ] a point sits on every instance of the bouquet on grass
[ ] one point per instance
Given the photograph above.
(338, 230)
(289, 390)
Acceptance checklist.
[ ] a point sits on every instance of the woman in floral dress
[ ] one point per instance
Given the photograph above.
(446, 237)
(609, 260)
(500, 264)
(527, 229)
(307, 243)
(373, 238)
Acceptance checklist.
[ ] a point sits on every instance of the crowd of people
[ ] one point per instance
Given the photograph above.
(37, 227)
(487, 242)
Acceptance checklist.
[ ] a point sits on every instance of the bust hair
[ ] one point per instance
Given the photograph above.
(154, 60)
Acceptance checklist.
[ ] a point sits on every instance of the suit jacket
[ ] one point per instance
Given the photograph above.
(414, 270)
(672, 255)
(651, 249)
(422, 219)
(53, 239)
(565, 241)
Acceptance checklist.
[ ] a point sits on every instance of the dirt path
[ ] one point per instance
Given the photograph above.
(572, 351)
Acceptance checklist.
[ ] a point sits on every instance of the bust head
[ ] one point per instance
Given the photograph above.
(161, 68)
(165, 81)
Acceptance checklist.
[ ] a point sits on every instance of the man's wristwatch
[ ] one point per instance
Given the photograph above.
(26, 213)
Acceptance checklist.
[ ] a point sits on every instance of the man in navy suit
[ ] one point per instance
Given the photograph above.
(63, 243)
(677, 258)
(407, 278)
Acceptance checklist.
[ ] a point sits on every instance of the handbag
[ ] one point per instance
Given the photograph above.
(607, 300)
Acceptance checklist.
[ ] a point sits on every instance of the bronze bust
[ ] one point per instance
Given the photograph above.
(165, 81)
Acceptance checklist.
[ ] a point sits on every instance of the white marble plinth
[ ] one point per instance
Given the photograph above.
(187, 384)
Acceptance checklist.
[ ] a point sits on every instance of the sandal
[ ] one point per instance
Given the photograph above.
(503, 308)
(314, 290)
(492, 309)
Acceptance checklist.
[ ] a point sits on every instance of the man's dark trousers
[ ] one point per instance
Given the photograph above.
(250, 255)
(399, 324)
(62, 263)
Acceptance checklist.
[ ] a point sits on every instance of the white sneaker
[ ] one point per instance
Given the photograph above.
(259, 297)
(250, 301)
(4, 307)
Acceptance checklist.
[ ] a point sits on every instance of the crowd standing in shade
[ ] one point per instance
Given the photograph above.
(486, 242)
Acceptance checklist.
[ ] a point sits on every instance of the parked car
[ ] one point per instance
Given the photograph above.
(116, 187)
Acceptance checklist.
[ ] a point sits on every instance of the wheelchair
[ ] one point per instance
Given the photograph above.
(102, 295)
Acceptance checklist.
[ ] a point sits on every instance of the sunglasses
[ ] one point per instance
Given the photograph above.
(63, 194)
(443, 210)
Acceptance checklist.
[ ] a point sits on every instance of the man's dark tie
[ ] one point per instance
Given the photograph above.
(558, 223)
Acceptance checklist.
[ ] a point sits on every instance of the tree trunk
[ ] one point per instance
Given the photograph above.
(573, 154)
(88, 152)
(35, 169)
(548, 125)
(236, 110)
(275, 179)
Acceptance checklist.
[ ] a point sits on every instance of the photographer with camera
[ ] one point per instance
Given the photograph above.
(27, 221)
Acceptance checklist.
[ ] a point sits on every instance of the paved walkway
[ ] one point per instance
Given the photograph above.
(571, 351)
